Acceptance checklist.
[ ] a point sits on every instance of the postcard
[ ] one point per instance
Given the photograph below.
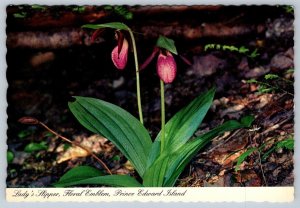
(159, 103)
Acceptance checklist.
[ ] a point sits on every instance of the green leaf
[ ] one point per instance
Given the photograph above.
(247, 120)
(177, 161)
(114, 25)
(254, 54)
(38, 7)
(67, 146)
(271, 76)
(24, 133)
(230, 48)
(122, 11)
(251, 81)
(20, 15)
(243, 156)
(79, 9)
(209, 46)
(289, 9)
(117, 125)
(116, 158)
(264, 89)
(79, 173)
(10, 156)
(108, 7)
(243, 49)
(181, 127)
(290, 70)
(264, 157)
(33, 147)
(166, 43)
(109, 180)
(288, 144)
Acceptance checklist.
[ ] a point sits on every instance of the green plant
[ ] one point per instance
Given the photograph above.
(122, 27)
(20, 15)
(287, 144)
(120, 10)
(32, 147)
(79, 9)
(159, 163)
(10, 156)
(266, 87)
(288, 9)
(25, 133)
(38, 7)
(231, 48)
(155, 166)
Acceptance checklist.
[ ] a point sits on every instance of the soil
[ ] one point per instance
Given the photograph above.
(43, 80)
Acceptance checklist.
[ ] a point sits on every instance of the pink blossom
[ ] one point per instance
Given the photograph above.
(166, 67)
(119, 54)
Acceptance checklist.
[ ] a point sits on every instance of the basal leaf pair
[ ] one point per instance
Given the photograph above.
(156, 167)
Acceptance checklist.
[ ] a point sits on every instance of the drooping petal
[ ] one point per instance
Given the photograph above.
(120, 59)
(185, 60)
(166, 67)
(149, 59)
(95, 35)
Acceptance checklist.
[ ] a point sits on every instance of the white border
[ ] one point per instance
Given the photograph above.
(3, 104)
(177, 194)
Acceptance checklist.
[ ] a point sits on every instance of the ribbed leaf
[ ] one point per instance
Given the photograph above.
(178, 159)
(117, 125)
(183, 124)
(183, 156)
(114, 25)
(79, 173)
(109, 180)
(166, 43)
(243, 157)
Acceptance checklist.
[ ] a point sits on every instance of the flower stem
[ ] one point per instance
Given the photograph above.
(162, 103)
(138, 91)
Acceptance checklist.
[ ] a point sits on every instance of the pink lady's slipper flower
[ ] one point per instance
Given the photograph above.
(166, 67)
(120, 53)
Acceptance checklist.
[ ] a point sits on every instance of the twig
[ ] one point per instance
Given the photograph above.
(259, 160)
(272, 128)
(30, 120)
(261, 168)
(226, 140)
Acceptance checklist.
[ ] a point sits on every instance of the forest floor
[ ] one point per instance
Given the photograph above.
(258, 82)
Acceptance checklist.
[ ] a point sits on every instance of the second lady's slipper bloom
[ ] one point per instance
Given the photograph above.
(166, 67)
(120, 53)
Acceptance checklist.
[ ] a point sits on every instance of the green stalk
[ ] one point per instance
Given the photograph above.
(162, 103)
(138, 91)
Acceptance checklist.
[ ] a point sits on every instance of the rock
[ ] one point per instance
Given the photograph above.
(280, 28)
(41, 182)
(118, 82)
(288, 181)
(243, 64)
(207, 65)
(283, 60)
(249, 178)
(233, 112)
(20, 157)
(257, 72)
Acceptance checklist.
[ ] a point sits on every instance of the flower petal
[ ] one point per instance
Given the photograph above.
(166, 67)
(149, 59)
(120, 59)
